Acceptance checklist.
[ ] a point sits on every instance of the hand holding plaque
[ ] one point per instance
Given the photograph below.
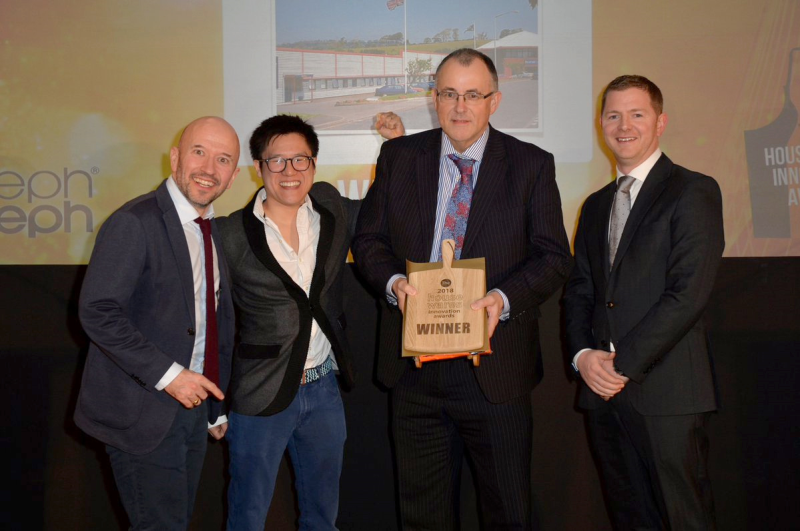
(438, 322)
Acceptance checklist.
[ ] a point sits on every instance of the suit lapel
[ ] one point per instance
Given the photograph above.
(653, 185)
(180, 249)
(221, 262)
(254, 230)
(327, 228)
(492, 170)
(427, 176)
(600, 229)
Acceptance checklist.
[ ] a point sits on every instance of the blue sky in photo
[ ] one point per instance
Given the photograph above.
(300, 20)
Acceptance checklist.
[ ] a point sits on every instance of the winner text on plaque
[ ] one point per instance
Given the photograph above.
(438, 319)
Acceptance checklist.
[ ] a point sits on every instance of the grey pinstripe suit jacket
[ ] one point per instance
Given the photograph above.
(515, 222)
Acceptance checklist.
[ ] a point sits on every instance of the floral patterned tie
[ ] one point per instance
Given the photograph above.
(455, 221)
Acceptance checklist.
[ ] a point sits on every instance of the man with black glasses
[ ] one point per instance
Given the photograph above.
(287, 250)
(497, 198)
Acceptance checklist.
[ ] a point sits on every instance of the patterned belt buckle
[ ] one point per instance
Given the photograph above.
(314, 374)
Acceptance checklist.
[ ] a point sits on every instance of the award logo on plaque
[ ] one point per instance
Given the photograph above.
(438, 322)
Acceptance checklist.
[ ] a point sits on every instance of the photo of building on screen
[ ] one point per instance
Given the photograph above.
(340, 84)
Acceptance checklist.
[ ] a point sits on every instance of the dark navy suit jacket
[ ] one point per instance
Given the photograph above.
(137, 307)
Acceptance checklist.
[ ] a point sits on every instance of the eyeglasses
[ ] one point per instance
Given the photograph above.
(278, 164)
(450, 96)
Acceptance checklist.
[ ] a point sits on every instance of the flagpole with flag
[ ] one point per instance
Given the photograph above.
(392, 5)
(405, 44)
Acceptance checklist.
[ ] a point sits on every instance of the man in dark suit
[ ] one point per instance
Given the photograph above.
(515, 222)
(646, 254)
(145, 306)
(287, 251)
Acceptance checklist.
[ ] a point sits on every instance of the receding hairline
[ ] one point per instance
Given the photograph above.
(465, 57)
(211, 120)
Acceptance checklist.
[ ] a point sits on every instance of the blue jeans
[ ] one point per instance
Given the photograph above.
(313, 429)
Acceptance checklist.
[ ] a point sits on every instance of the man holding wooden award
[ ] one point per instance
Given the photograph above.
(491, 201)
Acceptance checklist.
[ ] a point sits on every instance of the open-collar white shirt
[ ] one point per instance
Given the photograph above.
(298, 265)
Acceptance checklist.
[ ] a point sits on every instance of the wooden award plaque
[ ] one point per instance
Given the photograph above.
(438, 322)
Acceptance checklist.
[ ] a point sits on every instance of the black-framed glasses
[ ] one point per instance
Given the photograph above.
(451, 96)
(278, 164)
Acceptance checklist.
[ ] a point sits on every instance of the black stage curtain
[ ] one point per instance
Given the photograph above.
(58, 478)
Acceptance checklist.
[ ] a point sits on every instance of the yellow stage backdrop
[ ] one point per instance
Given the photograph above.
(93, 94)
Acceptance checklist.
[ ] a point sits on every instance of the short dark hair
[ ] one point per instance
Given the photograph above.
(640, 82)
(465, 56)
(279, 125)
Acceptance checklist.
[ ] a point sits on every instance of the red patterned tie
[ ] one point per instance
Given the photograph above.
(457, 213)
(211, 364)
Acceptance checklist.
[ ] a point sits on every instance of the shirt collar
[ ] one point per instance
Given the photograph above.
(186, 212)
(258, 206)
(641, 171)
(475, 151)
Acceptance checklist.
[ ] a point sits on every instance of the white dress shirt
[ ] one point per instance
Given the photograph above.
(194, 239)
(640, 173)
(298, 265)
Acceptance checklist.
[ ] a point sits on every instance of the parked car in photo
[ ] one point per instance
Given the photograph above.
(391, 90)
(424, 85)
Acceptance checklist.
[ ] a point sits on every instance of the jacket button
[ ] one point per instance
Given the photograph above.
(190, 331)
(603, 343)
(609, 304)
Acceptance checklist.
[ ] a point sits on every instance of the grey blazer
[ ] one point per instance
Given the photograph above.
(274, 313)
(137, 307)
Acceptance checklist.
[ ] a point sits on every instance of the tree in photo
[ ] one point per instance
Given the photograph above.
(418, 67)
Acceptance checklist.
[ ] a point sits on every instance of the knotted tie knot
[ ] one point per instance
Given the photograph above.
(464, 166)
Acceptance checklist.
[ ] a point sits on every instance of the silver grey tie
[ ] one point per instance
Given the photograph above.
(619, 215)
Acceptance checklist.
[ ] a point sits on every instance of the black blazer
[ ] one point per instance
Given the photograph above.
(650, 305)
(515, 222)
(274, 313)
(137, 307)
